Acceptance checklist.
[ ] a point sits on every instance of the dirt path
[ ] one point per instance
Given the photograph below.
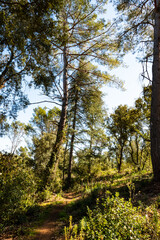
(52, 228)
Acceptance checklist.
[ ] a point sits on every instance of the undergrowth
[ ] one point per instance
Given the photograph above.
(115, 219)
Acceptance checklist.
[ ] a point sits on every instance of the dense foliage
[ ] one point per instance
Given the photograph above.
(113, 218)
(17, 188)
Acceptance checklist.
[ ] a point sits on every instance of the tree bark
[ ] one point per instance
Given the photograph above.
(132, 151)
(72, 139)
(137, 150)
(64, 160)
(61, 125)
(155, 103)
(119, 163)
(90, 159)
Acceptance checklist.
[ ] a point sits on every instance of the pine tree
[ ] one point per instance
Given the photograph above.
(120, 126)
(81, 35)
(85, 98)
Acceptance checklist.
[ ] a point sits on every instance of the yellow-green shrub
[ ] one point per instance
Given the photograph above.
(17, 188)
(113, 219)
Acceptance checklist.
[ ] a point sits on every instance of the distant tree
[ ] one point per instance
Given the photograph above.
(92, 133)
(140, 138)
(120, 125)
(16, 133)
(130, 130)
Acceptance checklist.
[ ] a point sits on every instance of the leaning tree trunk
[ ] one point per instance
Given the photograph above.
(155, 104)
(61, 126)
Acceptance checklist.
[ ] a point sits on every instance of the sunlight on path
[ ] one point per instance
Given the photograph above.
(52, 228)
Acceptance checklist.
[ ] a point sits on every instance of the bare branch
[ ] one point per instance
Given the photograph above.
(45, 101)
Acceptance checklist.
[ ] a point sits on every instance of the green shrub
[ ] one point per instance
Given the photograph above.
(44, 195)
(112, 219)
(17, 188)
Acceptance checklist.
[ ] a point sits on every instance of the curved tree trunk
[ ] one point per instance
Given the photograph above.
(155, 104)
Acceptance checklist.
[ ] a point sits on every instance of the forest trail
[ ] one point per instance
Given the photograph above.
(52, 228)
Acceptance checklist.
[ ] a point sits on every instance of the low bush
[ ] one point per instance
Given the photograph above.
(113, 219)
(17, 189)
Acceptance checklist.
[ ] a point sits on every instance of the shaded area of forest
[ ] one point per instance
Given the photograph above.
(138, 198)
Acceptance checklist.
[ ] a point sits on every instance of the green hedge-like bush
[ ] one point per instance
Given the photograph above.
(113, 219)
(17, 189)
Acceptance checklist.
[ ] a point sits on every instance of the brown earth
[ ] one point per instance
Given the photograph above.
(52, 228)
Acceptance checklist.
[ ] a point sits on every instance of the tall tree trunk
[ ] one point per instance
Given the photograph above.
(132, 151)
(64, 160)
(72, 138)
(155, 104)
(90, 159)
(61, 124)
(137, 151)
(119, 163)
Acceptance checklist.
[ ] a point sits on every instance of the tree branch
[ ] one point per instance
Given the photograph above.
(2, 81)
(45, 101)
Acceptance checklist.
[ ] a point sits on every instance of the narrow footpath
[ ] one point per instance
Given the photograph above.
(52, 228)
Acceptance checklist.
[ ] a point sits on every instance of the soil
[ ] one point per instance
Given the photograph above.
(52, 228)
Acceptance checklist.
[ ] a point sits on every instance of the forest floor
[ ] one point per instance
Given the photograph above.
(52, 228)
(146, 191)
(54, 213)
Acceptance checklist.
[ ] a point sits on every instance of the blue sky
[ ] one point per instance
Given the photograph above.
(130, 75)
(133, 84)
